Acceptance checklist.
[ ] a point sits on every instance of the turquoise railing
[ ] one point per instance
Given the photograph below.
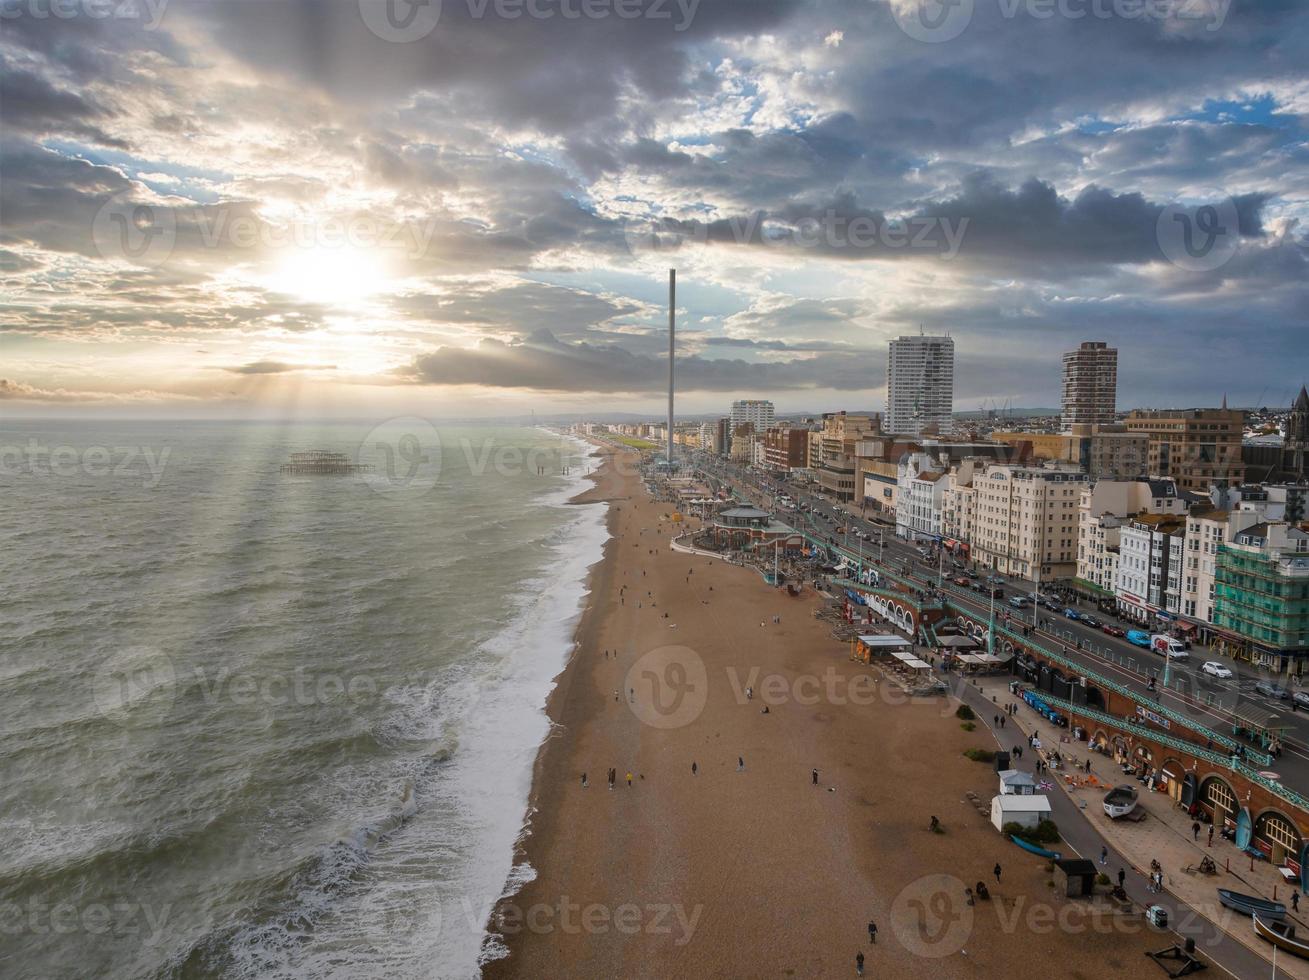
(1273, 786)
(1218, 738)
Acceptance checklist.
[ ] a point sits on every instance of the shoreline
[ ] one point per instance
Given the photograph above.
(522, 871)
(724, 872)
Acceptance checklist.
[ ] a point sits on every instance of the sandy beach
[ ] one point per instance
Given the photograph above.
(761, 872)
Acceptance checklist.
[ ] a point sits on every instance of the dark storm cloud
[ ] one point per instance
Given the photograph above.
(544, 363)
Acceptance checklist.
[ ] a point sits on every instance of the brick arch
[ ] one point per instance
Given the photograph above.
(1205, 801)
(1293, 851)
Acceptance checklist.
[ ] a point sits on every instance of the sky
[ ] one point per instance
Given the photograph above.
(468, 207)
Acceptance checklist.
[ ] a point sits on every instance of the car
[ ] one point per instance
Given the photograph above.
(1091, 622)
(962, 580)
(1112, 630)
(1138, 638)
(1300, 698)
(1214, 669)
(1072, 613)
(1271, 690)
(1020, 602)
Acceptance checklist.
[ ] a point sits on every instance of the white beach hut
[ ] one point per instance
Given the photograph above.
(1026, 811)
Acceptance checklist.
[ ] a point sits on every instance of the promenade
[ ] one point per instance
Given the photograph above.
(1164, 836)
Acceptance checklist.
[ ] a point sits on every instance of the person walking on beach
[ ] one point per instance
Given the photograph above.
(859, 964)
(997, 872)
(815, 777)
(629, 780)
(740, 763)
(583, 780)
(611, 779)
(694, 769)
(872, 933)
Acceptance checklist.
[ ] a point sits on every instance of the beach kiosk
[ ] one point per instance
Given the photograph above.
(1014, 782)
(1026, 811)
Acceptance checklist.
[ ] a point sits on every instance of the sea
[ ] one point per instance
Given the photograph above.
(257, 723)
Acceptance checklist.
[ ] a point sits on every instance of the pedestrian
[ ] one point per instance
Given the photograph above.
(815, 777)
(1211, 836)
(872, 933)
(859, 964)
(629, 780)
(694, 769)
(1104, 854)
(1002, 722)
(1295, 901)
(996, 720)
(583, 780)
(1122, 877)
(611, 779)
(997, 872)
(1195, 830)
(740, 763)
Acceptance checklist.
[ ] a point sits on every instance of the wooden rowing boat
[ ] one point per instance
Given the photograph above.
(1250, 905)
(1282, 935)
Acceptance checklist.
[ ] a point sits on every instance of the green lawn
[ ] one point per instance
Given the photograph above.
(636, 443)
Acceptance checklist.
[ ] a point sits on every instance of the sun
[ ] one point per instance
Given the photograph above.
(339, 276)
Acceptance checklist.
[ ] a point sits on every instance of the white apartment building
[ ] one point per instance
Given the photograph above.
(1206, 532)
(758, 412)
(709, 437)
(1145, 546)
(959, 503)
(1103, 508)
(1025, 521)
(921, 484)
(920, 385)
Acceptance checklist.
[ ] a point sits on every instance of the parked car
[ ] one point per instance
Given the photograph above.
(1214, 669)
(961, 580)
(1271, 690)
(1301, 698)
(1072, 613)
(1111, 630)
(1138, 638)
(1019, 602)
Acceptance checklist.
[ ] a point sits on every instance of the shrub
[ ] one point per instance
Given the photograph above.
(980, 755)
(1102, 879)
(1043, 833)
(964, 712)
(967, 726)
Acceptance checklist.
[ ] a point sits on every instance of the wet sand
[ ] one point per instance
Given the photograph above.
(761, 873)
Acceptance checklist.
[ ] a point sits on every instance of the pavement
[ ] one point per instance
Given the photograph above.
(1165, 835)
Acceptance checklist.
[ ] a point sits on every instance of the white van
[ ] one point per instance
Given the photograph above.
(1168, 646)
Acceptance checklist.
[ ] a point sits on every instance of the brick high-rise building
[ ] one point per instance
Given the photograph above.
(1090, 385)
